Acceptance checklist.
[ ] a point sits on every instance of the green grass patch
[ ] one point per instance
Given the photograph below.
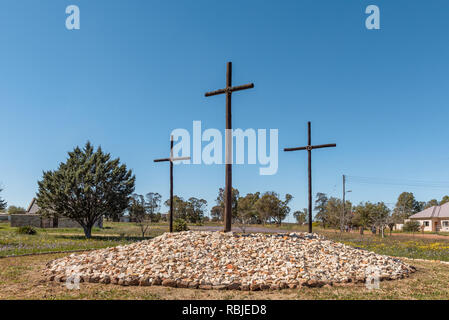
(397, 246)
(67, 239)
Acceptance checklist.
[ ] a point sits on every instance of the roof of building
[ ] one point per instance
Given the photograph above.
(31, 204)
(433, 212)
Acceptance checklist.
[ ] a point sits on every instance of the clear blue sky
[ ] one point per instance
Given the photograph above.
(138, 69)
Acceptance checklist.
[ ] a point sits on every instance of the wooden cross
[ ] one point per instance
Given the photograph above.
(171, 160)
(228, 141)
(309, 149)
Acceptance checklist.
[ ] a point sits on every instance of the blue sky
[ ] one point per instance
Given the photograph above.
(136, 70)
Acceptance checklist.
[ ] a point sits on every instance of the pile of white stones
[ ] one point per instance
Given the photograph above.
(216, 260)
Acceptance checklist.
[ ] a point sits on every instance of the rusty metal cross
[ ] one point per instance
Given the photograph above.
(228, 141)
(309, 149)
(171, 160)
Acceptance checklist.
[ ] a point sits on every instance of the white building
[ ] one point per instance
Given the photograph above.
(433, 219)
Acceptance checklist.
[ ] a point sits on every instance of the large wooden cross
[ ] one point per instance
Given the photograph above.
(228, 141)
(309, 149)
(171, 160)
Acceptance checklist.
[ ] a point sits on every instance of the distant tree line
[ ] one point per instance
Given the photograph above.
(91, 185)
(366, 215)
(254, 208)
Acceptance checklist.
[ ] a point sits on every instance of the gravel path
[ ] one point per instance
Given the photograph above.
(237, 229)
(216, 260)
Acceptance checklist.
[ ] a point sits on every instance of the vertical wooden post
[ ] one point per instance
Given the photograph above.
(228, 151)
(343, 217)
(171, 184)
(309, 151)
(228, 141)
(171, 160)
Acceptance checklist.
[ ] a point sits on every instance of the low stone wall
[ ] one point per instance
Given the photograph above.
(20, 220)
(35, 220)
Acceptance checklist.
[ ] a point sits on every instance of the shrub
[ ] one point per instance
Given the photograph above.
(27, 230)
(180, 225)
(199, 223)
(16, 210)
(411, 226)
(156, 217)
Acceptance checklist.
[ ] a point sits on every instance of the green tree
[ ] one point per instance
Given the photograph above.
(363, 215)
(302, 217)
(372, 215)
(235, 199)
(431, 203)
(195, 209)
(49, 209)
(283, 209)
(405, 206)
(88, 186)
(138, 213)
(153, 205)
(16, 210)
(266, 205)
(444, 200)
(179, 207)
(419, 206)
(216, 213)
(391, 223)
(270, 207)
(247, 212)
(3, 203)
(411, 226)
(380, 216)
(335, 217)
(320, 207)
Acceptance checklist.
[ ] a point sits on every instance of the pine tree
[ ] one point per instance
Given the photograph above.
(88, 186)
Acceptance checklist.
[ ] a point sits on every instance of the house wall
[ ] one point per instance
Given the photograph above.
(35, 220)
(21, 220)
(431, 227)
(125, 219)
(429, 222)
(422, 222)
(442, 227)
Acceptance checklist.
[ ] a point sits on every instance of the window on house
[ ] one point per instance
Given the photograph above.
(445, 224)
(426, 223)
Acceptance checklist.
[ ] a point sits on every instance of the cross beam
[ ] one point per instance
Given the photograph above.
(309, 149)
(228, 136)
(171, 160)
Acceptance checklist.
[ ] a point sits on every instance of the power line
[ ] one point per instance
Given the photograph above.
(398, 182)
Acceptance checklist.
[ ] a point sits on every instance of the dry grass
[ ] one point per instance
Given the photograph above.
(20, 278)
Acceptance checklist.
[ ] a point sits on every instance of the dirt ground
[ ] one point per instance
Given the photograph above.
(21, 278)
